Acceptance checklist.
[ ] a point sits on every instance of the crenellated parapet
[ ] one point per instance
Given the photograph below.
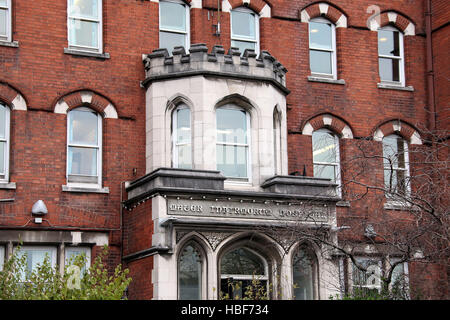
(159, 65)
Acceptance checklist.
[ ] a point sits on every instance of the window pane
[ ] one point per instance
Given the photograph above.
(243, 24)
(34, 257)
(394, 151)
(303, 276)
(2, 121)
(243, 262)
(83, 33)
(363, 278)
(232, 161)
(170, 40)
(2, 157)
(389, 69)
(84, 8)
(320, 35)
(242, 45)
(388, 43)
(231, 126)
(3, 3)
(183, 126)
(395, 180)
(320, 61)
(184, 156)
(72, 253)
(83, 161)
(3, 22)
(190, 274)
(83, 127)
(324, 147)
(173, 16)
(324, 171)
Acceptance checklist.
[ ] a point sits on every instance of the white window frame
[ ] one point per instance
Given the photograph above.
(85, 250)
(99, 148)
(8, 36)
(367, 286)
(52, 252)
(175, 143)
(7, 142)
(333, 75)
(99, 22)
(337, 165)
(187, 33)
(237, 38)
(2, 257)
(400, 58)
(396, 168)
(238, 180)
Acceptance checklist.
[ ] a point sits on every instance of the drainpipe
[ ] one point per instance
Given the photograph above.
(430, 71)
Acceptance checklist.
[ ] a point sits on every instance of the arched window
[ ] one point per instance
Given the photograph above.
(84, 147)
(190, 266)
(233, 142)
(240, 269)
(244, 29)
(326, 155)
(181, 137)
(304, 274)
(4, 142)
(276, 141)
(173, 24)
(322, 48)
(396, 166)
(390, 55)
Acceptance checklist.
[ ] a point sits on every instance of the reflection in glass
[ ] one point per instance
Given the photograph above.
(72, 253)
(83, 127)
(303, 275)
(182, 143)
(325, 157)
(190, 274)
(83, 33)
(34, 258)
(84, 8)
(243, 24)
(242, 45)
(394, 159)
(389, 55)
(172, 16)
(3, 15)
(171, 40)
(83, 161)
(389, 69)
(321, 47)
(320, 61)
(320, 35)
(242, 261)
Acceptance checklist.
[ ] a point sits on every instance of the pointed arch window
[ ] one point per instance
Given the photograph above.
(190, 273)
(304, 269)
(181, 137)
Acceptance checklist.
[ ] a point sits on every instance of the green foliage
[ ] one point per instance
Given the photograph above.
(47, 283)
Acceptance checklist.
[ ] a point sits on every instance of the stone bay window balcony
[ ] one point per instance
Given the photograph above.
(217, 187)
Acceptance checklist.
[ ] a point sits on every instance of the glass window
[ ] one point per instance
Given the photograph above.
(190, 273)
(244, 30)
(5, 20)
(85, 24)
(241, 268)
(72, 252)
(390, 54)
(2, 257)
(4, 142)
(84, 146)
(303, 275)
(396, 169)
(181, 135)
(326, 155)
(173, 25)
(322, 48)
(35, 256)
(233, 128)
(369, 281)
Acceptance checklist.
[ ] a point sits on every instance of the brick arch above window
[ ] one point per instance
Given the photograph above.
(327, 121)
(401, 22)
(86, 97)
(399, 127)
(323, 9)
(261, 7)
(12, 97)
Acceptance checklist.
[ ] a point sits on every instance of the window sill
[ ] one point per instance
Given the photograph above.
(69, 188)
(8, 185)
(325, 80)
(87, 53)
(13, 44)
(393, 86)
(395, 205)
(343, 203)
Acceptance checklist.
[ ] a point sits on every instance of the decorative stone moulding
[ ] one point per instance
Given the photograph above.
(159, 65)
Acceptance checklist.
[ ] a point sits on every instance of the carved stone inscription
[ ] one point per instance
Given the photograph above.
(305, 212)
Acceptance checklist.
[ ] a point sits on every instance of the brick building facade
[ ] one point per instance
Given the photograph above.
(93, 126)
